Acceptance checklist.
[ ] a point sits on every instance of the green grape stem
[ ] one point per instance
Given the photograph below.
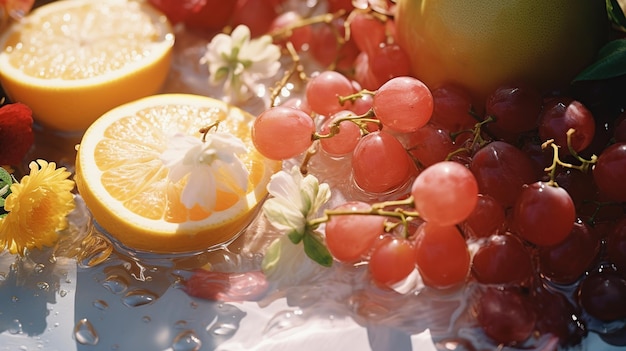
(377, 209)
(556, 161)
(477, 138)
(360, 120)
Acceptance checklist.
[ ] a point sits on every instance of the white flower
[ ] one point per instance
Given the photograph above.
(295, 200)
(211, 164)
(286, 264)
(239, 62)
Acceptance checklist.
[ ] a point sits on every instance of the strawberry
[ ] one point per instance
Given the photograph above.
(16, 133)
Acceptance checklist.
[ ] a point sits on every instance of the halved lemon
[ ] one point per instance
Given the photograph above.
(73, 60)
(125, 185)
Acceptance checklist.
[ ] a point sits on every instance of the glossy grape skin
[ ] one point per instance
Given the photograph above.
(503, 259)
(544, 214)
(616, 246)
(350, 237)
(403, 104)
(558, 316)
(299, 37)
(501, 169)
(389, 61)
(323, 46)
(441, 255)
(561, 114)
(445, 193)
(345, 140)
(452, 108)
(487, 218)
(506, 315)
(391, 261)
(256, 14)
(282, 132)
(609, 172)
(516, 107)
(602, 295)
(428, 145)
(323, 92)
(380, 163)
(367, 31)
(567, 261)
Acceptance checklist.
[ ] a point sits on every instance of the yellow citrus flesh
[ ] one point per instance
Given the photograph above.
(479, 44)
(124, 183)
(73, 60)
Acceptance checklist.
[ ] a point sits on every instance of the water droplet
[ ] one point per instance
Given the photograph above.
(115, 284)
(15, 298)
(146, 319)
(85, 333)
(224, 329)
(63, 293)
(95, 250)
(43, 286)
(194, 305)
(39, 268)
(186, 341)
(284, 320)
(100, 304)
(139, 297)
(181, 324)
(3, 276)
(15, 327)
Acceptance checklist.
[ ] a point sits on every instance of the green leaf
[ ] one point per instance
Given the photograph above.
(611, 62)
(5, 184)
(616, 14)
(295, 236)
(316, 250)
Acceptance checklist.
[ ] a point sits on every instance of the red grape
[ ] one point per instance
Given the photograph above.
(391, 261)
(609, 172)
(403, 104)
(506, 315)
(214, 15)
(451, 108)
(256, 14)
(561, 114)
(487, 218)
(441, 255)
(602, 295)
(429, 144)
(282, 132)
(544, 214)
(568, 260)
(389, 61)
(501, 169)
(503, 259)
(616, 246)
(515, 107)
(445, 193)
(380, 163)
(350, 237)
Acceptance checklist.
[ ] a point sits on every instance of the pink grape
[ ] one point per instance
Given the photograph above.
(445, 193)
(323, 92)
(350, 237)
(392, 260)
(403, 104)
(282, 132)
(380, 163)
(343, 142)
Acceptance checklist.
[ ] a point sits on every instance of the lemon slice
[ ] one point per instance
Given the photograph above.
(125, 184)
(71, 61)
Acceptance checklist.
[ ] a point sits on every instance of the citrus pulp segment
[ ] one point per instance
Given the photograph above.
(71, 61)
(125, 184)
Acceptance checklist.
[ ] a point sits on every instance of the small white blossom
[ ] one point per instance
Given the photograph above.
(296, 199)
(239, 62)
(211, 164)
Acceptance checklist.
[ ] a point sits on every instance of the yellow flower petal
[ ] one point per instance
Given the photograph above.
(37, 208)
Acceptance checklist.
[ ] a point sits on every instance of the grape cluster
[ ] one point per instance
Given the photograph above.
(509, 181)
(522, 194)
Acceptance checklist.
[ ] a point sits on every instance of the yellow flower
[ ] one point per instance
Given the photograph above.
(37, 208)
